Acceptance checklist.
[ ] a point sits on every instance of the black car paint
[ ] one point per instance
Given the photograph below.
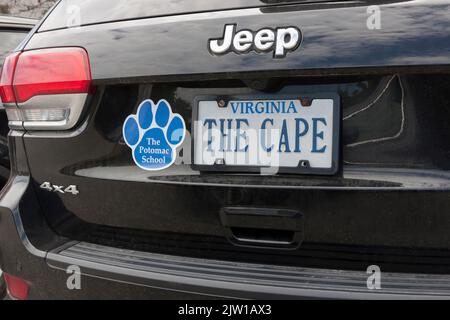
(106, 11)
(132, 51)
(388, 204)
(141, 217)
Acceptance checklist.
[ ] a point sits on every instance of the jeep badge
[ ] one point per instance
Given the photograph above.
(280, 41)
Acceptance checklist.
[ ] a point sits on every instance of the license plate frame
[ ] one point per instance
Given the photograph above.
(336, 115)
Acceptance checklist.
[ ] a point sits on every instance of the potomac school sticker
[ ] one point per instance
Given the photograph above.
(153, 134)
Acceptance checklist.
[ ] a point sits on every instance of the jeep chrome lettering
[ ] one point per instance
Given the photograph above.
(279, 40)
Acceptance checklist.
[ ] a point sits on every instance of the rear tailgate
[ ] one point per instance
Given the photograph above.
(387, 202)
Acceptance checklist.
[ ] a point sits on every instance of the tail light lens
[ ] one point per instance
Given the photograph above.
(51, 71)
(45, 89)
(6, 79)
(17, 288)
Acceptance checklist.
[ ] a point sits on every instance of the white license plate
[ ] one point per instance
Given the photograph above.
(284, 135)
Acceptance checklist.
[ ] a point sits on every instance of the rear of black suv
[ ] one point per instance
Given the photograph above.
(132, 153)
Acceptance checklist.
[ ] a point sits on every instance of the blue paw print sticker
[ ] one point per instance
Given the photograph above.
(153, 135)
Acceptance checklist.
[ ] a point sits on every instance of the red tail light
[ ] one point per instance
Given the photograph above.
(45, 72)
(45, 89)
(17, 288)
(51, 71)
(6, 80)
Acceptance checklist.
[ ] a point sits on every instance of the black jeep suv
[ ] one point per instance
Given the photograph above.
(242, 149)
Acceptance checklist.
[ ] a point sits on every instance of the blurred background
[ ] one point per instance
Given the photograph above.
(25, 8)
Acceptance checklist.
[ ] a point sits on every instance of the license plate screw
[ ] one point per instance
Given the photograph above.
(221, 103)
(304, 163)
(305, 101)
(220, 162)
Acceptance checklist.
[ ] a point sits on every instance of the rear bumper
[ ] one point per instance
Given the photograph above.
(108, 272)
(236, 280)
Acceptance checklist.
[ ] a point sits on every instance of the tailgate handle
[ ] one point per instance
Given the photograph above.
(263, 227)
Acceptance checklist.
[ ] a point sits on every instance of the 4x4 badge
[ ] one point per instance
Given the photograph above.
(279, 40)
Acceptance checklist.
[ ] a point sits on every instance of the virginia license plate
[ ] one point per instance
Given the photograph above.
(297, 134)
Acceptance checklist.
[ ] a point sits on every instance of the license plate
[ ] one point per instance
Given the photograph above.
(291, 134)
